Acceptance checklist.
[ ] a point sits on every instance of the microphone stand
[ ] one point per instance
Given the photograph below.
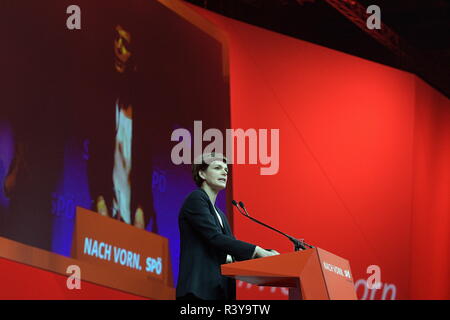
(298, 244)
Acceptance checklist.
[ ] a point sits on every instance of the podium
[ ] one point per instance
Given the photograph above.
(312, 274)
(116, 261)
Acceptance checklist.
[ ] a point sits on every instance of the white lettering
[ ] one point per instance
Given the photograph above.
(74, 280)
(374, 281)
(87, 246)
(374, 21)
(258, 146)
(74, 20)
(184, 147)
(197, 310)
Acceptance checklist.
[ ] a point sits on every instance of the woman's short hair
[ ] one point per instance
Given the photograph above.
(202, 163)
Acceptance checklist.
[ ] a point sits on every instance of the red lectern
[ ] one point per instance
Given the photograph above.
(312, 274)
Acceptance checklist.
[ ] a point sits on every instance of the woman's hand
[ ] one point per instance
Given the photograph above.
(261, 253)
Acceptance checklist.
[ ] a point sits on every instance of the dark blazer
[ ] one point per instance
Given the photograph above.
(204, 246)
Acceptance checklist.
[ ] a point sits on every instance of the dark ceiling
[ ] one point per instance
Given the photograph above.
(423, 25)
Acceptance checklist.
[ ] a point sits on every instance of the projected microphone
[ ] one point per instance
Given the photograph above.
(298, 244)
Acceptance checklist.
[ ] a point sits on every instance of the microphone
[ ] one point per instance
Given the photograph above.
(298, 244)
(241, 204)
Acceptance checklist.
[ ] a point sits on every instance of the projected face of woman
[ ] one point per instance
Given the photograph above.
(216, 175)
(122, 50)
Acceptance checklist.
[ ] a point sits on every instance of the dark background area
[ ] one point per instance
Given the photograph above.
(422, 26)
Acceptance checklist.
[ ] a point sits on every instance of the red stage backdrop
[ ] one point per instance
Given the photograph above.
(430, 242)
(364, 161)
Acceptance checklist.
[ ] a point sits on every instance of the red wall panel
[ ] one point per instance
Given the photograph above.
(20, 281)
(430, 242)
(345, 183)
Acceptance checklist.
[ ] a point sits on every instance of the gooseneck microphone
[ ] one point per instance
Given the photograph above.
(298, 244)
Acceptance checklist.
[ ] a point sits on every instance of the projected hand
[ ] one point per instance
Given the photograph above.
(18, 167)
(139, 221)
(101, 206)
